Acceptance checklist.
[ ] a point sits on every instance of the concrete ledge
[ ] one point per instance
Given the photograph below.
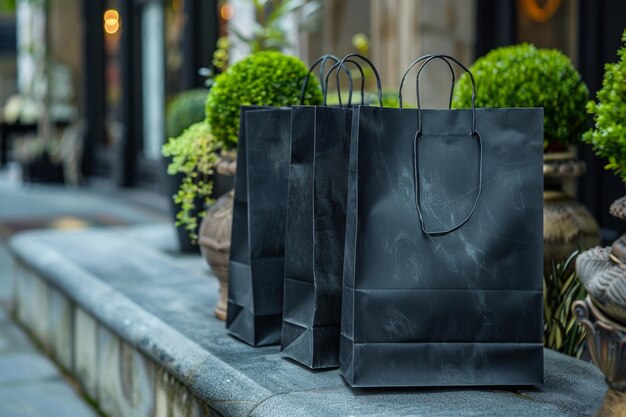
(43, 274)
(137, 330)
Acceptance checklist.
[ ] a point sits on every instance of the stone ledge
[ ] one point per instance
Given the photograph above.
(183, 358)
(143, 341)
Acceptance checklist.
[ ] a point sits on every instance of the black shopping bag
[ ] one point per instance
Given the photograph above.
(443, 254)
(315, 231)
(256, 267)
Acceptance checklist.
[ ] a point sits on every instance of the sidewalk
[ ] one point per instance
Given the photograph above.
(28, 207)
(30, 384)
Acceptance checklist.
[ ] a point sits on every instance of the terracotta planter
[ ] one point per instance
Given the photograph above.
(568, 224)
(214, 240)
(215, 231)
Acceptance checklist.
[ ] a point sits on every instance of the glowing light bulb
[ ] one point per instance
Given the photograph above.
(227, 11)
(111, 21)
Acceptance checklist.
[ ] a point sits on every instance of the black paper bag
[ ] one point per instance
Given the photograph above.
(315, 234)
(443, 254)
(256, 267)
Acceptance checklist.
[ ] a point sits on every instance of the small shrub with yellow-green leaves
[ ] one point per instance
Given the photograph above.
(193, 154)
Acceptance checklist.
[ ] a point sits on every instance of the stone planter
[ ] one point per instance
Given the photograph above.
(568, 224)
(214, 234)
(603, 313)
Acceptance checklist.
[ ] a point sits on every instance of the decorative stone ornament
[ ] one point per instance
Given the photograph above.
(618, 248)
(607, 345)
(604, 277)
(603, 314)
(568, 224)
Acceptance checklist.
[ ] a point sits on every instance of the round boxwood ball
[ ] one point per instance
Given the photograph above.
(266, 78)
(184, 110)
(525, 76)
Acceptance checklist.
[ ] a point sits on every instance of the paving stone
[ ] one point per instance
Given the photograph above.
(60, 328)
(141, 267)
(18, 368)
(161, 236)
(46, 399)
(86, 351)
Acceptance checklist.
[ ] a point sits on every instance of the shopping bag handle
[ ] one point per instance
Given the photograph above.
(333, 68)
(372, 66)
(417, 61)
(469, 73)
(323, 60)
(417, 188)
(473, 134)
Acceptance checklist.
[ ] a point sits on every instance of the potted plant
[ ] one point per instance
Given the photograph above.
(525, 76)
(608, 135)
(183, 111)
(266, 78)
(602, 271)
(193, 157)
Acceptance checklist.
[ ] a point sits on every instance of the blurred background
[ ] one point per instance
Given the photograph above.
(85, 85)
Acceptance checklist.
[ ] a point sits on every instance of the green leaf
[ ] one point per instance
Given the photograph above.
(560, 289)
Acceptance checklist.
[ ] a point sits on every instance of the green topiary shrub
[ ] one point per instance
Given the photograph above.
(184, 110)
(266, 78)
(525, 76)
(193, 154)
(608, 137)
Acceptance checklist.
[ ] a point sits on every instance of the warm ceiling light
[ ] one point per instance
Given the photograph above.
(227, 11)
(111, 21)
